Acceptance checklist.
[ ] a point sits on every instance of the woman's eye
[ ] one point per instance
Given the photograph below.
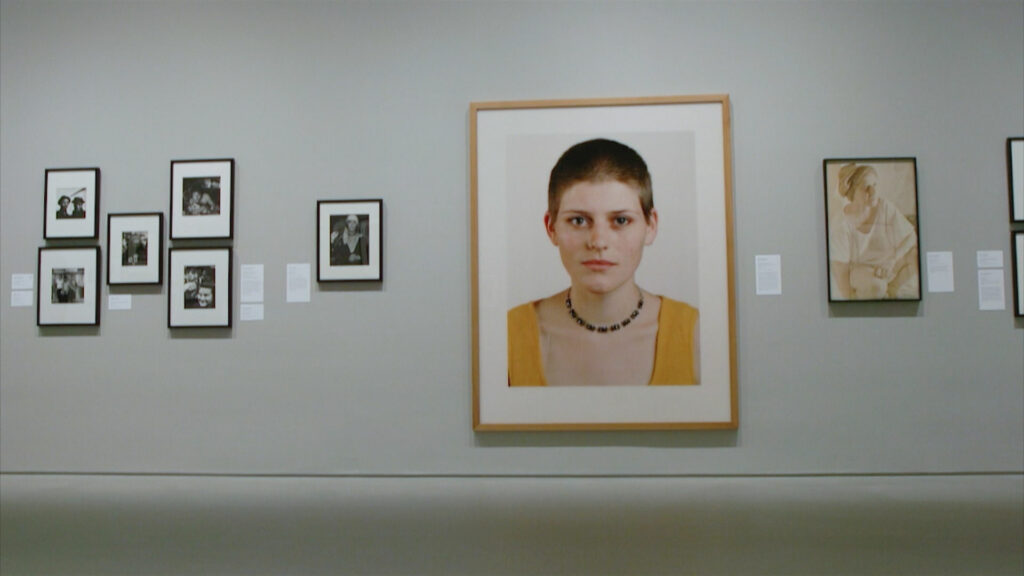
(577, 220)
(621, 220)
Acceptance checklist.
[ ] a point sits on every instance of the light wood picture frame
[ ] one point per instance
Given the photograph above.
(683, 142)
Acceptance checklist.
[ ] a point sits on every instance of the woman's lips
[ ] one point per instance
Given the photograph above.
(598, 265)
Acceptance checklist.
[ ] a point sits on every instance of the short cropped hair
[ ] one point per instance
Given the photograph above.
(596, 161)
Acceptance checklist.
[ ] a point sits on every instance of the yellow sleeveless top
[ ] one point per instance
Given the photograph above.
(673, 350)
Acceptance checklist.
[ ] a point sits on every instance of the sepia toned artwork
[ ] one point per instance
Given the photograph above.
(602, 264)
(872, 229)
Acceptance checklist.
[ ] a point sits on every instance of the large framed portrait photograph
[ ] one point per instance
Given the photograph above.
(1018, 272)
(202, 198)
(134, 242)
(872, 229)
(199, 288)
(71, 203)
(349, 243)
(1015, 177)
(68, 287)
(602, 264)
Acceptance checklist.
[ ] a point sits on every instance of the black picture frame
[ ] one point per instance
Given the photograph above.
(135, 248)
(202, 199)
(872, 253)
(1015, 177)
(1017, 244)
(199, 291)
(69, 277)
(358, 257)
(71, 203)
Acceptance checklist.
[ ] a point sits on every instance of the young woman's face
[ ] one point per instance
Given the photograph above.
(601, 232)
(865, 192)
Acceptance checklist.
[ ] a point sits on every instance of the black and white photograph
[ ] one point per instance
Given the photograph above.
(349, 240)
(71, 202)
(199, 294)
(202, 199)
(202, 196)
(349, 234)
(200, 287)
(68, 287)
(134, 254)
(134, 248)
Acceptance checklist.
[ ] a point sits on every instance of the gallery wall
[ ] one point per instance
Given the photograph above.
(335, 435)
(352, 100)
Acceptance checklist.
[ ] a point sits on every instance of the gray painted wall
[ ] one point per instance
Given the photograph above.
(335, 100)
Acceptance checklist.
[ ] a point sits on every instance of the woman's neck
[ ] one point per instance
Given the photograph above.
(607, 307)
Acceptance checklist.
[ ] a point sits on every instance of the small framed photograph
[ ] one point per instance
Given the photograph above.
(202, 198)
(602, 264)
(349, 243)
(1018, 272)
(199, 288)
(1015, 177)
(68, 287)
(872, 229)
(134, 254)
(71, 204)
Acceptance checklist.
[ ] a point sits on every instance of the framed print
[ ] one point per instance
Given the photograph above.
(872, 229)
(1015, 177)
(199, 288)
(607, 302)
(349, 240)
(202, 198)
(71, 203)
(1018, 273)
(134, 242)
(68, 287)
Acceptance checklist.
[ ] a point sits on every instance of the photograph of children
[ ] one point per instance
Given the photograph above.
(134, 248)
(72, 203)
(67, 286)
(200, 286)
(350, 240)
(201, 196)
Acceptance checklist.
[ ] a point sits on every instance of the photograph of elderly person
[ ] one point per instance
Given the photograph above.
(67, 285)
(201, 196)
(872, 241)
(134, 248)
(200, 286)
(604, 329)
(71, 203)
(349, 241)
